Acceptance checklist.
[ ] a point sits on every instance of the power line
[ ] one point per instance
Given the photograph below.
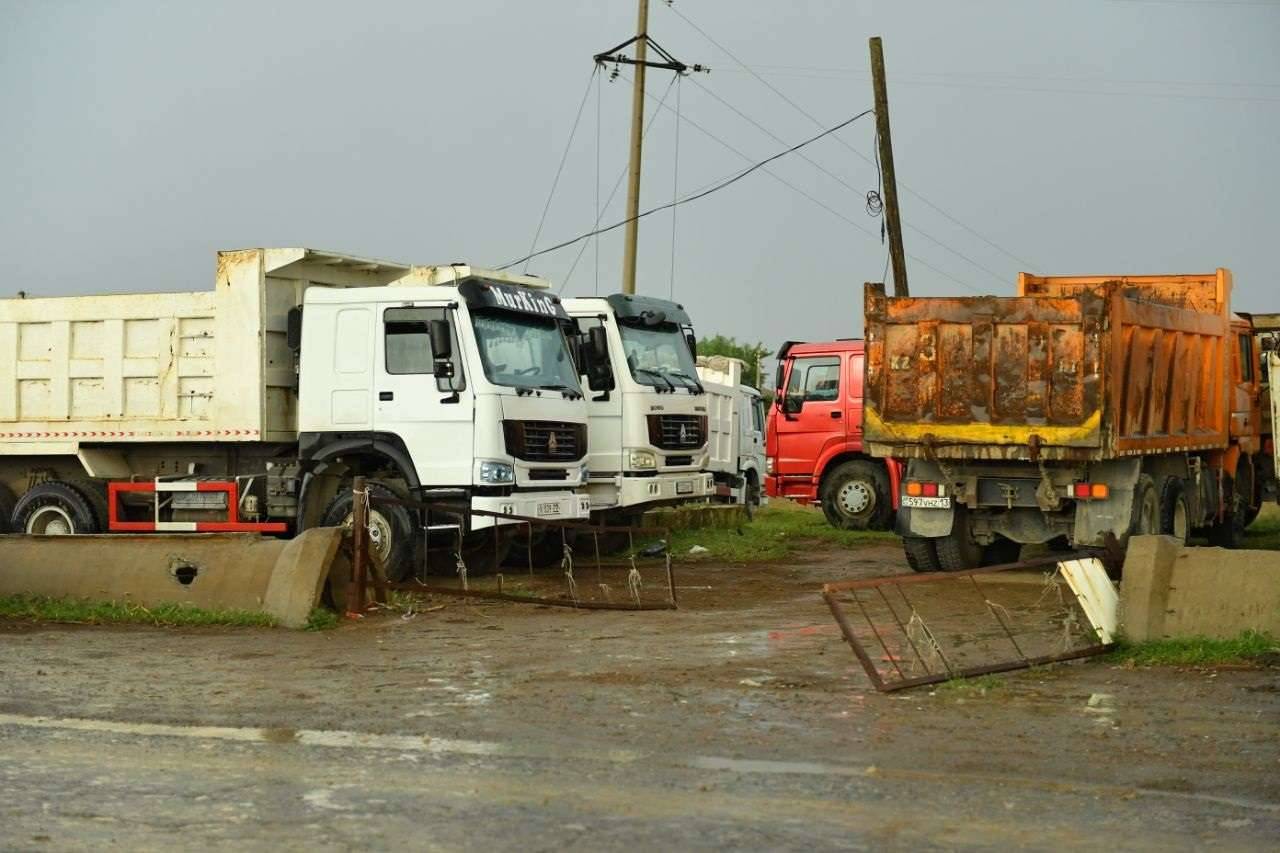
(844, 72)
(563, 157)
(828, 208)
(694, 196)
(808, 115)
(995, 275)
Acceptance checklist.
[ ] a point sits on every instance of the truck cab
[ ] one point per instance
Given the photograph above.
(647, 407)
(814, 441)
(735, 445)
(463, 377)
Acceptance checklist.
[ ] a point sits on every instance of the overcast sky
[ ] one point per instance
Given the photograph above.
(1081, 136)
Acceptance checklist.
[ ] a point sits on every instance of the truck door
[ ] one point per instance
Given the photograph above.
(811, 414)
(852, 397)
(433, 417)
(751, 446)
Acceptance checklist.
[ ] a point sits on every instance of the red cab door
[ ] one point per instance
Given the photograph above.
(811, 413)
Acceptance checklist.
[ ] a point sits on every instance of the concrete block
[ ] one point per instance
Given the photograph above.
(1170, 590)
(231, 571)
(697, 516)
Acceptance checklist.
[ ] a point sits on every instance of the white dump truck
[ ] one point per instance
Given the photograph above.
(647, 407)
(735, 444)
(250, 406)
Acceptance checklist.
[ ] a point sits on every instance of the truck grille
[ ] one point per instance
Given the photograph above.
(545, 441)
(677, 432)
(549, 474)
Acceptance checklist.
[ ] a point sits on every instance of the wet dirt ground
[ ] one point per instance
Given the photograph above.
(741, 720)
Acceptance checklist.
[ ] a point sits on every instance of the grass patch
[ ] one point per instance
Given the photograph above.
(1264, 533)
(31, 608)
(778, 530)
(322, 619)
(1249, 647)
(981, 684)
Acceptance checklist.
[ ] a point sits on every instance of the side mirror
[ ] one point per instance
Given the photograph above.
(599, 341)
(792, 405)
(693, 344)
(441, 342)
(293, 329)
(777, 381)
(442, 369)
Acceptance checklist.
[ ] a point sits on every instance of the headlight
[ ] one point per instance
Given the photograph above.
(496, 472)
(768, 464)
(640, 459)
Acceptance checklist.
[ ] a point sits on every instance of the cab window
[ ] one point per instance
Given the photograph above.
(1246, 358)
(815, 379)
(408, 344)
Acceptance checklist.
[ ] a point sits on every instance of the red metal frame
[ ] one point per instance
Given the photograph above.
(233, 524)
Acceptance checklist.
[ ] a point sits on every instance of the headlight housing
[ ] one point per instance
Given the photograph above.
(640, 460)
(496, 473)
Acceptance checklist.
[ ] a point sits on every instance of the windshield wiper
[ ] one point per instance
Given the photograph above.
(693, 383)
(571, 393)
(670, 385)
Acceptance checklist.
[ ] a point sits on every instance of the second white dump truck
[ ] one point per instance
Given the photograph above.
(252, 405)
(736, 437)
(647, 407)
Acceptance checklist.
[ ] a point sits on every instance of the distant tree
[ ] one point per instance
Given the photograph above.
(751, 354)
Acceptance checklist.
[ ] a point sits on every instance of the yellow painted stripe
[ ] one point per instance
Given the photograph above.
(876, 429)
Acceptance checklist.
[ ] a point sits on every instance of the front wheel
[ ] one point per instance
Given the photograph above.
(391, 528)
(55, 508)
(855, 496)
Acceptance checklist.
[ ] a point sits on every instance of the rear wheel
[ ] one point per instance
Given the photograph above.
(1229, 533)
(855, 496)
(391, 528)
(921, 555)
(1145, 517)
(957, 550)
(55, 508)
(1175, 518)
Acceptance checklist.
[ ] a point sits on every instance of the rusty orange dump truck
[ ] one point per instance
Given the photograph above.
(1083, 408)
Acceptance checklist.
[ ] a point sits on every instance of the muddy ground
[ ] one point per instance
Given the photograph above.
(740, 720)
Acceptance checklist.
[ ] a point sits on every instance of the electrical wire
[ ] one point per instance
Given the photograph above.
(808, 115)
(696, 195)
(563, 157)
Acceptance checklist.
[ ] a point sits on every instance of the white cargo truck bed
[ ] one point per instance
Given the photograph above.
(208, 365)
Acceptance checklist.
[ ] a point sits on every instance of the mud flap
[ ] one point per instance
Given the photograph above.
(930, 523)
(1095, 519)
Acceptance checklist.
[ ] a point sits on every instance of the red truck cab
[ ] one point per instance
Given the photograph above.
(814, 438)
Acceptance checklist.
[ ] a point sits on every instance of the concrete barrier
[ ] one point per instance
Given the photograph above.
(233, 571)
(697, 516)
(1172, 590)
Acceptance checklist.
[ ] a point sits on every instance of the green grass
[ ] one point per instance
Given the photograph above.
(1249, 647)
(31, 608)
(1264, 533)
(778, 530)
(322, 619)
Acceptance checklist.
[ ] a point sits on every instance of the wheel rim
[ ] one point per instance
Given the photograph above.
(855, 498)
(1180, 523)
(50, 521)
(379, 534)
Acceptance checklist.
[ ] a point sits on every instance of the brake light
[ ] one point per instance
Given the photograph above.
(913, 489)
(930, 490)
(1082, 490)
(1098, 490)
(1090, 491)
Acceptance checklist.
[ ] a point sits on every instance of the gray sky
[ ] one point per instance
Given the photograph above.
(1130, 136)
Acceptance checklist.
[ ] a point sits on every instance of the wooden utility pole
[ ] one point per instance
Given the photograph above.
(892, 216)
(637, 141)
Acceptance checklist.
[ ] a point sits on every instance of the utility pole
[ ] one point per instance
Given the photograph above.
(641, 61)
(637, 142)
(892, 215)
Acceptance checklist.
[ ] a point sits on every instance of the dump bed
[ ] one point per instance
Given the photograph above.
(208, 365)
(1081, 368)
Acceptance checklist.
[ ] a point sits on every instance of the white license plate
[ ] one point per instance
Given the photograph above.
(684, 487)
(549, 508)
(926, 503)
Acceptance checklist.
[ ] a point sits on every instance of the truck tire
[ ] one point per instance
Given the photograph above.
(1145, 513)
(921, 555)
(855, 496)
(751, 495)
(54, 508)
(1175, 517)
(1229, 533)
(957, 551)
(391, 528)
(95, 492)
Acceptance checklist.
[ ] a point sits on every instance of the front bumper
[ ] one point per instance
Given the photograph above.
(551, 506)
(661, 488)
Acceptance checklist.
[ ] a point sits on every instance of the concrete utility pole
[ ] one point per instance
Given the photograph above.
(637, 142)
(892, 216)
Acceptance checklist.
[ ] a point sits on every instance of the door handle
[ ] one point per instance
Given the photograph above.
(386, 395)
(837, 415)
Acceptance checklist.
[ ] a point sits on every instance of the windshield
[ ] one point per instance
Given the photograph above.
(659, 356)
(524, 351)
